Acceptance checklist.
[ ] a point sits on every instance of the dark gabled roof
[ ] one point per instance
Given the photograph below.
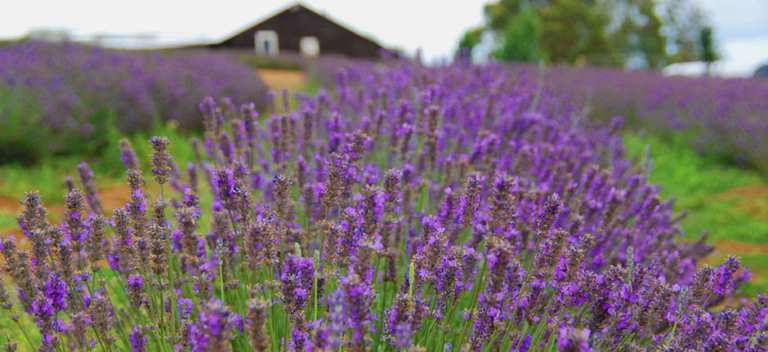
(295, 7)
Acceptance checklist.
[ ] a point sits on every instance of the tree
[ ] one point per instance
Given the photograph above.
(520, 41)
(707, 50)
(575, 30)
(682, 24)
(469, 41)
(645, 33)
(635, 32)
(497, 15)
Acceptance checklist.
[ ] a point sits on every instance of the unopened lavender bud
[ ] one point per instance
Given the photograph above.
(256, 321)
(161, 160)
(89, 186)
(128, 156)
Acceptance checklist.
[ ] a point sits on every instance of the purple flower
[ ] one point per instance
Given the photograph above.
(226, 188)
(135, 290)
(56, 292)
(213, 329)
(573, 340)
(138, 340)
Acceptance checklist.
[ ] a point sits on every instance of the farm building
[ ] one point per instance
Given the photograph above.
(298, 29)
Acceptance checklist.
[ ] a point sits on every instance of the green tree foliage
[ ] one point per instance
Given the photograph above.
(497, 15)
(575, 31)
(682, 24)
(469, 40)
(650, 33)
(521, 38)
(636, 32)
(707, 50)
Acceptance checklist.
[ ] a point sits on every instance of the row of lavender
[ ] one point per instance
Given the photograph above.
(722, 118)
(456, 208)
(68, 90)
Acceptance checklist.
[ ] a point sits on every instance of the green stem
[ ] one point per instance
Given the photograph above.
(314, 289)
(429, 327)
(540, 333)
(671, 331)
(381, 316)
(273, 317)
(475, 292)
(221, 283)
(82, 303)
(448, 322)
(286, 325)
(174, 310)
(610, 327)
(119, 321)
(624, 341)
(24, 332)
(520, 293)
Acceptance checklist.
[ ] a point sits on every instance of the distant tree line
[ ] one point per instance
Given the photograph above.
(637, 33)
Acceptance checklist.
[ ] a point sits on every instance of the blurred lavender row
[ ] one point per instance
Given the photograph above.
(70, 90)
(411, 208)
(724, 118)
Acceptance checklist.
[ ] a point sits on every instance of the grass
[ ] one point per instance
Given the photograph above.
(47, 177)
(271, 63)
(728, 202)
(702, 187)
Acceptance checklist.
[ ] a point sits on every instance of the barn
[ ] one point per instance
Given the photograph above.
(298, 29)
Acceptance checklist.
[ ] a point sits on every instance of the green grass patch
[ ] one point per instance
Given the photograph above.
(724, 200)
(22, 140)
(701, 185)
(269, 63)
(7, 221)
(47, 178)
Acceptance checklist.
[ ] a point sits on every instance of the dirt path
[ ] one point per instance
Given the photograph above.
(277, 79)
(725, 247)
(8, 205)
(751, 191)
(752, 199)
(111, 199)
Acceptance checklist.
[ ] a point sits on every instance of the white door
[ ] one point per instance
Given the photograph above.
(309, 46)
(266, 43)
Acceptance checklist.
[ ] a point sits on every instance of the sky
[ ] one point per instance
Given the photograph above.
(434, 26)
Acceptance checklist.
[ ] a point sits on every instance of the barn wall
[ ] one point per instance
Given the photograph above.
(293, 24)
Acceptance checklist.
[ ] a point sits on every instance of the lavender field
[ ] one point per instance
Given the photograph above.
(721, 118)
(402, 207)
(50, 107)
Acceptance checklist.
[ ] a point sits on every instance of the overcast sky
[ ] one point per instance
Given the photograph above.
(741, 26)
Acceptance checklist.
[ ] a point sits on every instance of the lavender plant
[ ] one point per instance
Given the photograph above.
(719, 117)
(68, 91)
(453, 208)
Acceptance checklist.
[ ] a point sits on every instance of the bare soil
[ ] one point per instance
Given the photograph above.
(8, 205)
(751, 191)
(277, 79)
(724, 247)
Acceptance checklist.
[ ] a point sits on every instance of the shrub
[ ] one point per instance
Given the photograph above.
(279, 63)
(19, 140)
(79, 88)
(412, 208)
(720, 117)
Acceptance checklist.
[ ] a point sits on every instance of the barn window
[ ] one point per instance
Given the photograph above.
(309, 46)
(266, 43)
